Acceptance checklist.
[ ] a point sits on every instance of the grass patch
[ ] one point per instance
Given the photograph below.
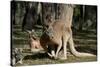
(85, 41)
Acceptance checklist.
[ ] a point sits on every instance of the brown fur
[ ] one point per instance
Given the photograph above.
(34, 42)
(60, 34)
(59, 31)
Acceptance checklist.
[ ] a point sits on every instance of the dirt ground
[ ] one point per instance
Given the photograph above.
(84, 42)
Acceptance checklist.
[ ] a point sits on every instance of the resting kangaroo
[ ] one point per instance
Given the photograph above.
(34, 42)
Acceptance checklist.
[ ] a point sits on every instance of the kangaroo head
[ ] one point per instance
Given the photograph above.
(49, 30)
(31, 35)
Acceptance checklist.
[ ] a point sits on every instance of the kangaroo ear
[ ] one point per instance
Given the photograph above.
(34, 37)
(33, 31)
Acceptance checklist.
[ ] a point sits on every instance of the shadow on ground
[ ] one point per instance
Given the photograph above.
(86, 49)
(36, 56)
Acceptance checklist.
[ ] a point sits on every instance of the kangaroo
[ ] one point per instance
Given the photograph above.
(59, 34)
(34, 42)
(53, 36)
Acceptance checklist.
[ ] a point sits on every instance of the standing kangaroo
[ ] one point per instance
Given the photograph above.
(59, 33)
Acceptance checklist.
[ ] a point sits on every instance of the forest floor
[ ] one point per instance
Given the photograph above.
(85, 41)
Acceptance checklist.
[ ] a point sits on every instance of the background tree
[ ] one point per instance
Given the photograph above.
(26, 14)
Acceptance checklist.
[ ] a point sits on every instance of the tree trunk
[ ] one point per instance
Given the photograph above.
(81, 19)
(13, 12)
